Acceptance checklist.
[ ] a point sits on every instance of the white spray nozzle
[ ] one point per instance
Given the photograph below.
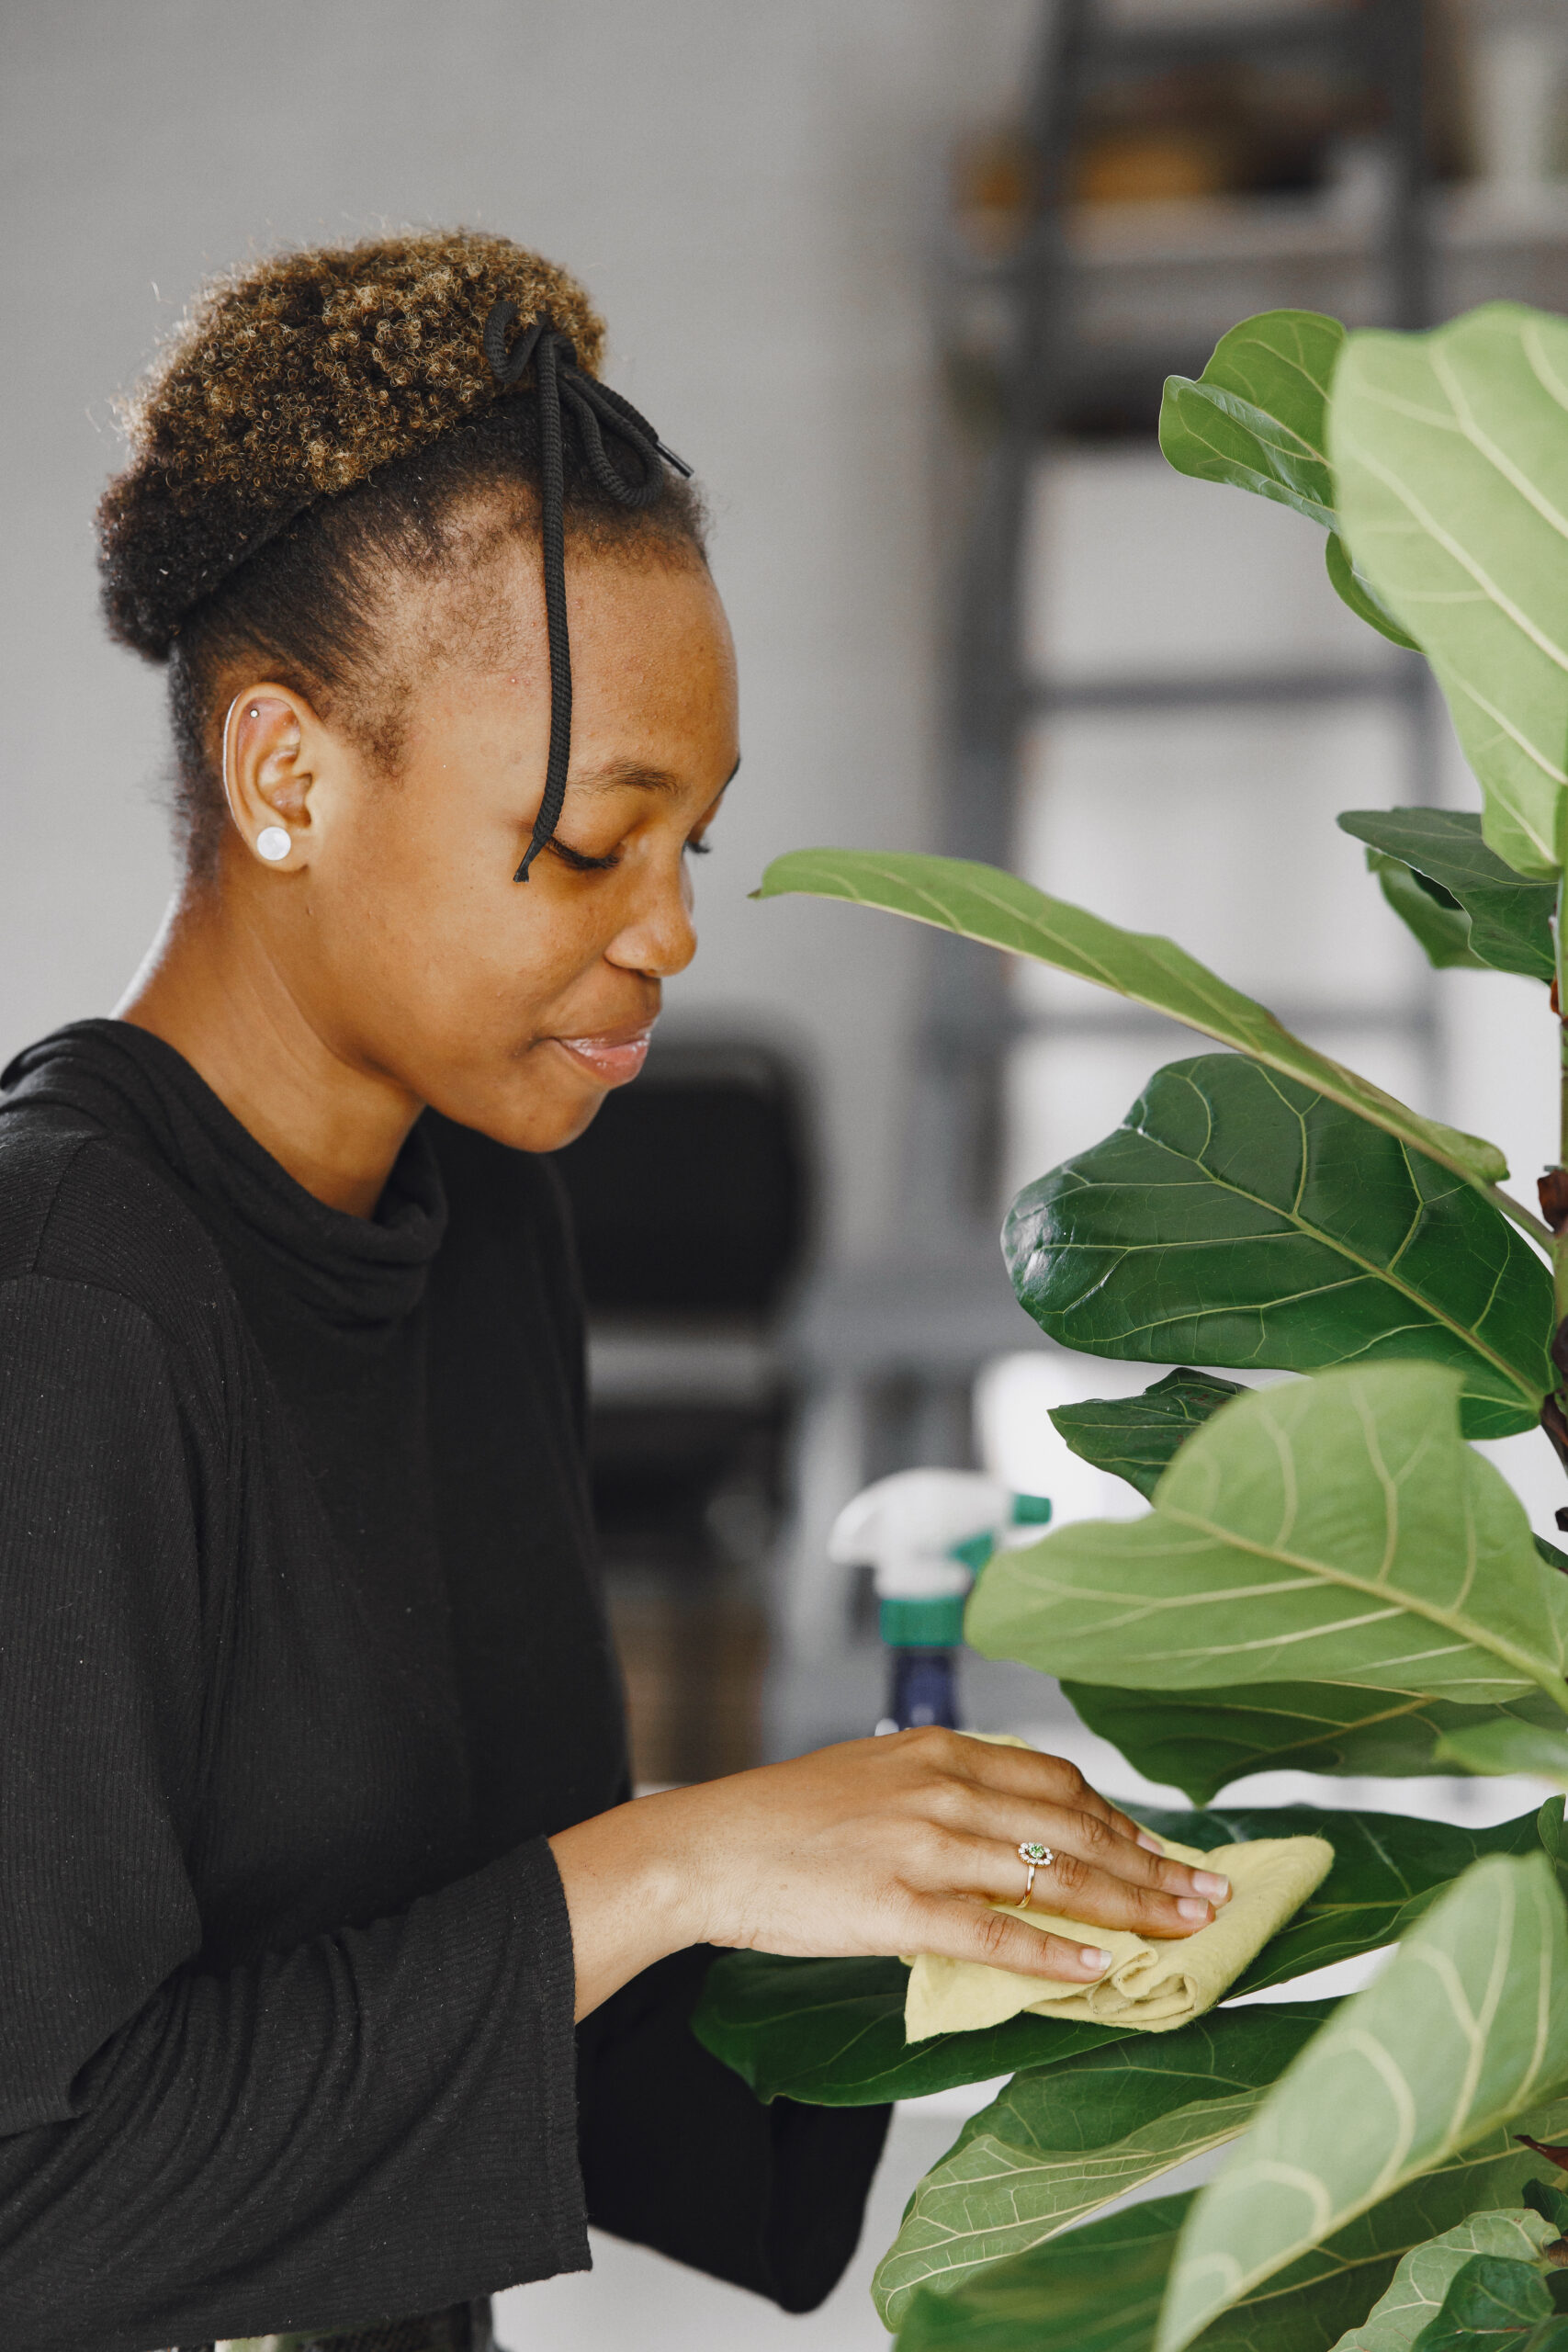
(924, 1532)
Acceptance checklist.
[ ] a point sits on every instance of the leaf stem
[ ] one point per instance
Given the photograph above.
(1560, 1239)
(1553, 1190)
(1526, 1219)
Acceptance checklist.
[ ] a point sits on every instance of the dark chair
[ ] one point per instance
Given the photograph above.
(691, 1194)
(692, 1188)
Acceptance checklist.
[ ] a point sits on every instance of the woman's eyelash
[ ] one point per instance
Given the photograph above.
(579, 860)
(580, 863)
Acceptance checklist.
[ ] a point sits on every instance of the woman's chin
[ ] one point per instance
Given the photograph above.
(523, 1113)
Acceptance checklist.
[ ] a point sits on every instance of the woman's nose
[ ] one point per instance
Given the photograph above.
(659, 939)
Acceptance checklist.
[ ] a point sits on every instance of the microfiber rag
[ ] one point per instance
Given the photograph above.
(1154, 1985)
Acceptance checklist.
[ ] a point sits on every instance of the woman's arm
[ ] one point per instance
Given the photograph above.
(381, 2119)
(891, 1844)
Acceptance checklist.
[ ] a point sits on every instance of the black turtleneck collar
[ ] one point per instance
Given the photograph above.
(351, 1271)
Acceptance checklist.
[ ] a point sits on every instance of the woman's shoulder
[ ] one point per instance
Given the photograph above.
(81, 1204)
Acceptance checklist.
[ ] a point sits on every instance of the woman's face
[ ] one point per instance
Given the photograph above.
(401, 935)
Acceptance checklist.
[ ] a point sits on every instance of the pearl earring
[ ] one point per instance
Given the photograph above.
(273, 844)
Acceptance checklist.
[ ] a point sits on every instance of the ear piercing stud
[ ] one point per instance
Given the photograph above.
(273, 844)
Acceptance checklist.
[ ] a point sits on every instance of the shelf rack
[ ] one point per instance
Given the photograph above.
(1049, 340)
(1088, 297)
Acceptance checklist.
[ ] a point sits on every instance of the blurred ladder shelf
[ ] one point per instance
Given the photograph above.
(1098, 299)
(886, 1357)
(1041, 323)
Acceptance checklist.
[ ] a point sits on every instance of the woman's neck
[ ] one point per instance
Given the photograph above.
(212, 989)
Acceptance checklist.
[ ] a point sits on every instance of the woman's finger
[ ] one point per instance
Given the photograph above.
(981, 1812)
(1075, 1889)
(1091, 1840)
(959, 1930)
(1023, 1773)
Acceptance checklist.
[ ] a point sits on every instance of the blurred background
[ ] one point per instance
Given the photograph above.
(903, 278)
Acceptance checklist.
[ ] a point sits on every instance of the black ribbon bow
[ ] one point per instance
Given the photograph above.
(596, 409)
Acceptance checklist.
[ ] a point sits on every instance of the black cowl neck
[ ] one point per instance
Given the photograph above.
(351, 1271)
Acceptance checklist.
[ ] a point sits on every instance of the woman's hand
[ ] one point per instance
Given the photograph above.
(891, 1844)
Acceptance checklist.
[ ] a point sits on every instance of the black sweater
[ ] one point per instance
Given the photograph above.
(301, 1659)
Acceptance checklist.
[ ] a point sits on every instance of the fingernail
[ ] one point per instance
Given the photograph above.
(1150, 1845)
(1190, 1908)
(1093, 1957)
(1211, 1883)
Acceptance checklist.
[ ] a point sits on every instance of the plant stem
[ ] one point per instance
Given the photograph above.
(1526, 1219)
(1554, 1202)
(1559, 1240)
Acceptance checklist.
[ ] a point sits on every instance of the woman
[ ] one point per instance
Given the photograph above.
(315, 1838)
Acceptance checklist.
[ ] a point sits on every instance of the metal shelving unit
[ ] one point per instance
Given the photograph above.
(1088, 299)
(1051, 343)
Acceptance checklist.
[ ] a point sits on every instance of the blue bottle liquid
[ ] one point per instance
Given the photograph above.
(922, 1639)
(925, 1689)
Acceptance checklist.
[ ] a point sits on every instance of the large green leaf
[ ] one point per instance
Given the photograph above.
(830, 2033)
(980, 902)
(1503, 1744)
(1551, 1828)
(1137, 1436)
(1057, 2144)
(1256, 418)
(1507, 920)
(1440, 924)
(1464, 2030)
(1450, 451)
(1098, 2288)
(1201, 1741)
(1337, 1528)
(1094, 2290)
(1237, 1218)
(1492, 2295)
(1423, 2279)
(1357, 592)
(1388, 1869)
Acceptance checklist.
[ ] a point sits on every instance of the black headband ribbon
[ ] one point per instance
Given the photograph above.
(596, 409)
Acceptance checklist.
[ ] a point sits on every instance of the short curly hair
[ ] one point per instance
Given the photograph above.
(318, 423)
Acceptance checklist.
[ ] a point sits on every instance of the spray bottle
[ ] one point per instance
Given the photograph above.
(926, 1534)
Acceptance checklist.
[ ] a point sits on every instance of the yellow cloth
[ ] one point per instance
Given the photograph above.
(1152, 1985)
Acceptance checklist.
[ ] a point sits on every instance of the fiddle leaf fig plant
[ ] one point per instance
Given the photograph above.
(1499, 920)
(1450, 462)
(1257, 418)
(1327, 1577)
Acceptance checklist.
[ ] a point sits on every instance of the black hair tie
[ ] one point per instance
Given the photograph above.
(596, 409)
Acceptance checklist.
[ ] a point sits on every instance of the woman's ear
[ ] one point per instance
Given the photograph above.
(269, 737)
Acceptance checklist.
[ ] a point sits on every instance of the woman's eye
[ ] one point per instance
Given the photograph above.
(579, 860)
(699, 848)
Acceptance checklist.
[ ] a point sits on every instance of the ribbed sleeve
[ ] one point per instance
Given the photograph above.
(376, 2121)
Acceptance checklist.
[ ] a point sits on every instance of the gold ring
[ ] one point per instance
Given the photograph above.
(1033, 1857)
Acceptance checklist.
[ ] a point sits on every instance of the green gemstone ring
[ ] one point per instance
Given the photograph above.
(1034, 1857)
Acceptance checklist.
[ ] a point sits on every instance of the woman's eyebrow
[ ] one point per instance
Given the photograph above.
(633, 775)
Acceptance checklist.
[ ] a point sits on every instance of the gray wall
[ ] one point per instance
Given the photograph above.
(742, 185)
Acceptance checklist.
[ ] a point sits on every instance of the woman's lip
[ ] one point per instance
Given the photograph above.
(610, 1060)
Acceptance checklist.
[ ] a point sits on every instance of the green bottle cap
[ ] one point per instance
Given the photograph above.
(935, 1624)
(974, 1553)
(1030, 1511)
